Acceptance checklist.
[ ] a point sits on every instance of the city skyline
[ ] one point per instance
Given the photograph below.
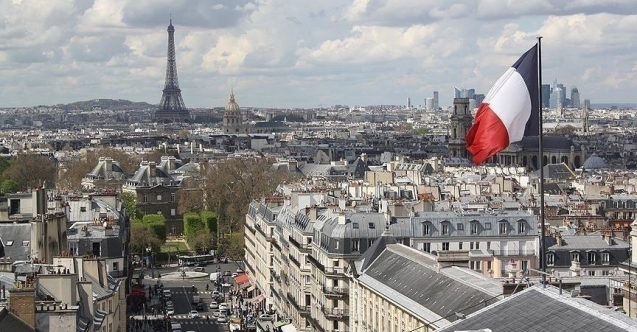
(287, 54)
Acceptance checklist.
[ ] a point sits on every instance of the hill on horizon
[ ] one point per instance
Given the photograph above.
(112, 104)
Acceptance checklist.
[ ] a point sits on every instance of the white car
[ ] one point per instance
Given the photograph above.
(215, 293)
(223, 306)
(167, 293)
(266, 317)
(193, 314)
(214, 305)
(239, 271)
(222, 319)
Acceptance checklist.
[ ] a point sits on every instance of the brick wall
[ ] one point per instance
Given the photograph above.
(22, 304)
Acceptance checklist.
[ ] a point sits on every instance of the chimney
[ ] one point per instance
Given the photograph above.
(312, 213)
(558, 239)
(608, 238)
(22, 302)
(153, 168)
(108, 229)
(341, 218)
(576, 268)
(171, 163)
(109, 164)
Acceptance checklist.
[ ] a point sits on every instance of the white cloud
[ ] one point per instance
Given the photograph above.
(292, 53)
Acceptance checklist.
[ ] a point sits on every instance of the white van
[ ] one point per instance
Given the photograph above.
(214, 276)
(175, 327)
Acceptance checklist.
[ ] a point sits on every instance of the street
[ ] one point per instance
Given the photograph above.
(182, 296)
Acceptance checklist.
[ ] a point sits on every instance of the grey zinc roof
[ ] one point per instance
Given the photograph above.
(375, 250)
(18, 234)
(413, 275)
(11, 322)
(593, 241)
(545, 310)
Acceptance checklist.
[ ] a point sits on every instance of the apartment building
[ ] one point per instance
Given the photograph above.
(395, 288)
(494, 243)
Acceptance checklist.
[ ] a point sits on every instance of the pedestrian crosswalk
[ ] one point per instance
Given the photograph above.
(200, 320)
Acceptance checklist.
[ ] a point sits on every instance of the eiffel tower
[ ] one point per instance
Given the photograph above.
(171, 106)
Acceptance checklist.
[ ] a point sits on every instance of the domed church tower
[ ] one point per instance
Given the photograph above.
(232, 119)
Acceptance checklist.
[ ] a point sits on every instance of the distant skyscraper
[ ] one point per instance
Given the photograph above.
(457, 93)
(575, 101)
(436, 101)
(546, 95)
(171, 106)
(585, 110)
(563, 96)
(556, 98)
(408, 102)
(479, 97)
(429, 104)
(471, 93)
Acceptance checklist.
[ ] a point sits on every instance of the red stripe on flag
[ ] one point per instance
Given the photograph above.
(487, 135)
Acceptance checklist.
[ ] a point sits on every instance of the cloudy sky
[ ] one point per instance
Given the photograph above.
(306, 53)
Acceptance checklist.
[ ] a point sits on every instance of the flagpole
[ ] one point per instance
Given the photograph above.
(541, 150)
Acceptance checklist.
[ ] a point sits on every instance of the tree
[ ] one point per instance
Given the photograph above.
(193, 225)
(190, 200)
(9, 186)
(156, 223)
(142, 237)
(209, 218)
(130, 203)
(233, 245)
(31, 170)
(202, 242)
(565, 130)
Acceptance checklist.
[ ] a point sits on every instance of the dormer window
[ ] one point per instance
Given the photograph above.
(550, 259)
(474, 227)
(502, 227)
(445, 228)
(605, 258)
(592, 258)
(521, 227)
(574, 256)
(426, 229)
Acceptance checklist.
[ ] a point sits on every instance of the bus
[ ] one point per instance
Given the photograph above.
(195, 260)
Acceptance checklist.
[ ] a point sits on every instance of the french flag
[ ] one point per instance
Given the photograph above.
(509, 112)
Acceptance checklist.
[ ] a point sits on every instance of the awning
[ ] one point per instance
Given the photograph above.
(245, 285)
(258, 299)
(241, 279)
(250, 289)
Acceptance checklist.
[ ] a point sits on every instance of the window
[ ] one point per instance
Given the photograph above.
(74, 248)
(159, 197)
(489, 265)
(521, 227)
(82, 208)
(355, 225)
(336, 244)
(487, 226)
(172, 197)
(445, 246)
(476, 265)
(426, 229)
(115, 266)
(356, 245)
(488, 245)
(145, 198)
(370, 242)
(25, 243)
(605, 258)
(592, 258)
(474, 227)
(426, 247)
(525, 265)
(173, 212)
(502, 227)
(459, 245)
(591, 272)
(372, 225)
(550, 259)
(460, 227)
(575, 256)
(9, 243)
(445, 229)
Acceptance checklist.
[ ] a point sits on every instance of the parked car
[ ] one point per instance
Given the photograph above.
(239, 270)
(215, 294)
(223, 306)
(193, 314)
(200, 269)
(214, 305)
(266, 317)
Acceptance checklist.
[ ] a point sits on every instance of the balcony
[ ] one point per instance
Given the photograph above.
(249, 228)
(336, 291)
(339, 330)
(285, 278)
(315, 324)
(297, 263)
(513, 252)
(302, 309)
(316, 263)
(335, 313)
(301, 247)
(338, 271)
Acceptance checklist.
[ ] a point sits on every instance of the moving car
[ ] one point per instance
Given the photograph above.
(200, 269)
(193, 314)
(214, 305)
(222, 319)
(223, 306)
(167, 293)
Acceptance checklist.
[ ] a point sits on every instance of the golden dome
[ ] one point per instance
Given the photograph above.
(232, 105)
